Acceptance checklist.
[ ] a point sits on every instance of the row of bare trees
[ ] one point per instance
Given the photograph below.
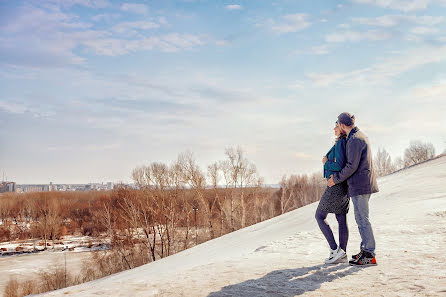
(48, 215)
(417, 152)
(299, 190)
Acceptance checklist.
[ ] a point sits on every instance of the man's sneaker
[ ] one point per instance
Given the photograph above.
(335, 255)
(366, 259)
(358, 255)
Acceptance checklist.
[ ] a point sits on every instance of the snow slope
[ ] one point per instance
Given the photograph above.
(283, 256)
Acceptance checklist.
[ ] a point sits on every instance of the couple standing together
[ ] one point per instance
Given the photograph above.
(349, 172)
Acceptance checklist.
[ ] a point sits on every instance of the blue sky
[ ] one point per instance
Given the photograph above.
(92, 89)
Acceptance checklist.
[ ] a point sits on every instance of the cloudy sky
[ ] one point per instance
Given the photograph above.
(91, 89)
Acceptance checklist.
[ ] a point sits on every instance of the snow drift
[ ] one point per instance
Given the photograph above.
(284, 255)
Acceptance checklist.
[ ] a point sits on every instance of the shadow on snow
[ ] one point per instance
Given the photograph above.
(287, 282)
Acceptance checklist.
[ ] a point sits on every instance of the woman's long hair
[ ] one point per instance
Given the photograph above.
(342, 136)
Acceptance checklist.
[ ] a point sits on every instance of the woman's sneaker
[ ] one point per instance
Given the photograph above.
(335, 255)
(365, 259)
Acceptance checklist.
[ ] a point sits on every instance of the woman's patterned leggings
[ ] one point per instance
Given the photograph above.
(326, 230)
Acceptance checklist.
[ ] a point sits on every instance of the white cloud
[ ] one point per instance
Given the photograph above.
(394, 20)
(344, 26)
(131, 27)
(12, 107)
(135, 8)
(432, 93)
(222, 42)
(172, 42)
(385, 71)
(325, 79)
(32, 18)
(86, 147)
(23, 108)
(402, 5)
(234, 7)
(87, 3)
(306, 156)
(298, 84)
(424, 30)
(162, 21)
(357, 36)
(319, 50)
(41, 37)
(291, 23)
(107, 17)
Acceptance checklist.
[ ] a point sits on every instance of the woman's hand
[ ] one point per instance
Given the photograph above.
(324, 159)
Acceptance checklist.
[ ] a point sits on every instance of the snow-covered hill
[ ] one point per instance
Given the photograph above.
(283, 256)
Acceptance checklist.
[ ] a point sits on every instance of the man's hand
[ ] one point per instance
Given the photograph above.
(331, 182)
(324, 159)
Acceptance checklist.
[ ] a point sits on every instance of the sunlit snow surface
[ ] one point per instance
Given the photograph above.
(283, 256)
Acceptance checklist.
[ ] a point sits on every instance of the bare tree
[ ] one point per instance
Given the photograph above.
(300, 190)
(243, 174)
(398, 163)
(258, 201)
(47, 217)
(213, 174)
(383, 163)
(225, 167)
(418, 152)
(287, 193)
(195, 178)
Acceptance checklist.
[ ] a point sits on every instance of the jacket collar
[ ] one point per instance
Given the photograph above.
(352, 132)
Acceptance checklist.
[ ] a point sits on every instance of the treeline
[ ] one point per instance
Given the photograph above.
(174, 206)
(50, 215)
(417, 152)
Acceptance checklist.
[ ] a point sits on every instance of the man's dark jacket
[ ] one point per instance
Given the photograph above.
(358, 171)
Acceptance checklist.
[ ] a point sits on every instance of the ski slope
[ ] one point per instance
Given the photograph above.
(284, 255)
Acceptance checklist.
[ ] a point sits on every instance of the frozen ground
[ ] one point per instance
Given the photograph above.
(27, 266)
(283, 256)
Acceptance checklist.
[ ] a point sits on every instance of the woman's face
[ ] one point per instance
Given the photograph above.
(337, 130)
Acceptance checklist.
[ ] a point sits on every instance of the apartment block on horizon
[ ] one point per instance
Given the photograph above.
(7, 187)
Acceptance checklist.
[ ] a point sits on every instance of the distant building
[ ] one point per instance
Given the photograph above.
(35, 188)
(25, 188)
(7, 187)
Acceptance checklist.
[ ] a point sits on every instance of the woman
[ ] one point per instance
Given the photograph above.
(335, 200)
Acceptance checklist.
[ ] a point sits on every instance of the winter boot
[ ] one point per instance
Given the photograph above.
(358, 255)
(366, 259)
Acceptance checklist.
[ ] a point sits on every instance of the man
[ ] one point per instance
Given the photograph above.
(361, 182)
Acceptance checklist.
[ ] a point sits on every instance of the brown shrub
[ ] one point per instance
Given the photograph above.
(28, 287)
(12, 288)
(63, 231)
(5, 234)
(54, 279)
